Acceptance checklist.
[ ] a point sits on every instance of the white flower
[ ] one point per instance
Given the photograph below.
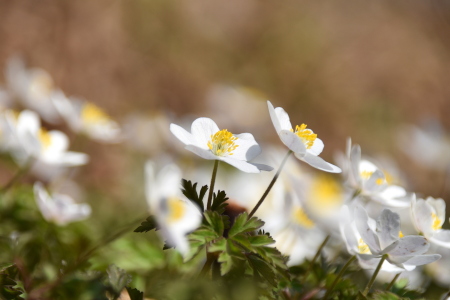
(428, 217)
(29, 140)
(303, 142)
(175, 215)
(85, 117)
(59, 209)
(365, 177)
(386, 239)
(33, 87)
(209, 142)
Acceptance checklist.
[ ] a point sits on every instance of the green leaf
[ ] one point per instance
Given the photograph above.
(219, 245)
(261, 240)
(135, 294)
(215, 221)
(190, 191)
(226, 262)
(147, 225)
(204, 234)
(219, 202)
(242, 225)
(117, 278)
(264, 269)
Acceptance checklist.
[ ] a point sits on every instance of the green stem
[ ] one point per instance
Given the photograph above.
(209, 261)
(393, 281)
(211, 186)
(316, 256)
(341, 273)
(374, 276)
(20, 173)
(270, 185)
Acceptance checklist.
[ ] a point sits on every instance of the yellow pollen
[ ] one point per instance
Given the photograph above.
(45, 138)
(400, 234)
(363, 248)
(301, 218)
(92, 114)
(436, 222)
(176, 209)
(325, 194)
(307, 136)
(366, 174)
(379, 181)
(222, 143)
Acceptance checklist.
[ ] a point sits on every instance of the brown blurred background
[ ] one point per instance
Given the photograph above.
(344, 68)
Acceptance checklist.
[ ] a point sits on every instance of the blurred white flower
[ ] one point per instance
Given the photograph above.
(303, 142)
(33, 87)
(59, 209)
(175, 215)
(208, 142)
(428, 217)
(85, 117)
(30, 141)
(386, 239)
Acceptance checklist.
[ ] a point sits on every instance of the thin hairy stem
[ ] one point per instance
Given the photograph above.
(211, 186)
(393, 282)
(375, 274)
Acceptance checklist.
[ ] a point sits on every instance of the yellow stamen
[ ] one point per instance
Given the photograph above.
(301, 218)
(400, 234)
(363, 248)
(436, 222)
(325, 194)
(45, 138)
(222, 143)
(379, 181)
(176, 209)
(92, 114)
(307, 136)
(366, 174)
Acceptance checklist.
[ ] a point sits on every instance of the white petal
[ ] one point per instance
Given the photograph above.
(58, 141)
(441, 238)
(317, 147)
(68, 158)
(247, 148)
(423, 220)
(240, 164)
(203, 153)
(409, 245)
(376, 183)
(184, 136)
(279, 117)
(293, 142)
(439, 207)
(319, 163)
(418, 260)
(388, 228)
(202, 129)
(262, 167)
(367, 234)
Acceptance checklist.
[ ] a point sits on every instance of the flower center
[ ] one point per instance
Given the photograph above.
(92, 114)
(363, 248)
(222, 143)
(366, 174)
(325, 194)
(176, 209)
(41, 84)
(301, 218)
(45, 138)
(436, 222)
(307, 135)
(400, 234)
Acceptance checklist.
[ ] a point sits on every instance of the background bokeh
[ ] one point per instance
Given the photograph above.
(351, 68)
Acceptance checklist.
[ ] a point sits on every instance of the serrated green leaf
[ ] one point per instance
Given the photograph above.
(204, 234)
(190, 191)
(234, 250)
(215, 221)
(260, 240)
(219, 245)
(226, 262)
(242, 225)
(135, 294)
(243, 241)
(219, 202)
(385, 296)
(147, 225)
(117, 278)
(263, 268)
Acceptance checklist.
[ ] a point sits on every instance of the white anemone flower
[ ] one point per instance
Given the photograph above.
(370, 181)
(33, 87)
(58, 208)
(209, 142)
(88, 118)
(302, 141)
(175, 215)
(30, 141)
(428, 217)
(405, 252)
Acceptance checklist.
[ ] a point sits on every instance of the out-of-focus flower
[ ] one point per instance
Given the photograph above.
(428, 217)
(30, 141)
(368, 180)
(427, 145)
(303, 141)
(209, 142)
(439, 270)
(59, 209)
(386, 239)
(33, 87)
(85, 117)
(175, 215)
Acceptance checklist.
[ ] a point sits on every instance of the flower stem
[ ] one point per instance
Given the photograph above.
(372, 280)
(316, 256)
(270, 185)
(393, 281)
(211, 186)
(20, 173)
(341, 273)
